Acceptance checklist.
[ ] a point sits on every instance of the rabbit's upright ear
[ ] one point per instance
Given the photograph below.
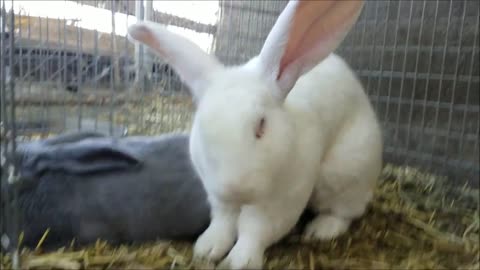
(304, 34)
(194, 66)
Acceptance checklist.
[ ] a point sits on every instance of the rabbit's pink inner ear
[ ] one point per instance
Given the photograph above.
(145, 35)
(305, 16)
(194, 66)
(317, 28)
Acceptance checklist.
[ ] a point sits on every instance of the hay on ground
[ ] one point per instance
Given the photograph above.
(416, 221)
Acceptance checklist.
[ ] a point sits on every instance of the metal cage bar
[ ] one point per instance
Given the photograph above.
(418, 61)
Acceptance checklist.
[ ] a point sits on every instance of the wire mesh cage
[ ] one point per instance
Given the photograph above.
(69, 66)
(419, 62)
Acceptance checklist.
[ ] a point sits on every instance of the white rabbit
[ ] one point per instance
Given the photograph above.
(279, 133)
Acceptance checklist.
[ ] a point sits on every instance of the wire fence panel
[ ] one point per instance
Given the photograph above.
(75, 69)
(68, 65)
(419, 63)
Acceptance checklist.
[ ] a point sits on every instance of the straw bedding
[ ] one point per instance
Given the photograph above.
(416, 221)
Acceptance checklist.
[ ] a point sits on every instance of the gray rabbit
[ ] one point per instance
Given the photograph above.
(87, 186)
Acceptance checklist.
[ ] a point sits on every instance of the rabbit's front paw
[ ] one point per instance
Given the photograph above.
(326, 227)
(243, 256)
(213, 244)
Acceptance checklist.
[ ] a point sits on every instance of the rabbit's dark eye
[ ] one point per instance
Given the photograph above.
(260, 128)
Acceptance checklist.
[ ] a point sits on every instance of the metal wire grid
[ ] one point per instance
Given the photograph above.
(55, 54)
(417, 59)
(9, 216)
(243, 27)
(419, 63)
(49, 59)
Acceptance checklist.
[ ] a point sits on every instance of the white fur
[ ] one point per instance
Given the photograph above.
(321, 148)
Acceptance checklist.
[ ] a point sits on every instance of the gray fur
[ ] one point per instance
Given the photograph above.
(123, 190)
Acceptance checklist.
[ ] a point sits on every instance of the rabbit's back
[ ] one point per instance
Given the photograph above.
(331, 86)
(329, 97)
(337, 120)
(163, 198)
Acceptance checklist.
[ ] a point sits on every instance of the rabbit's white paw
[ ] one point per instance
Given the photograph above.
(326, 227)
(214, 243)
(243, 256)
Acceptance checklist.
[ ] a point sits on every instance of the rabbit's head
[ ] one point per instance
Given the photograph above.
(242, 133)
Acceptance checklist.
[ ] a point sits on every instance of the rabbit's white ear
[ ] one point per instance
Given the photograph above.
(192, 64)
(304, 34)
